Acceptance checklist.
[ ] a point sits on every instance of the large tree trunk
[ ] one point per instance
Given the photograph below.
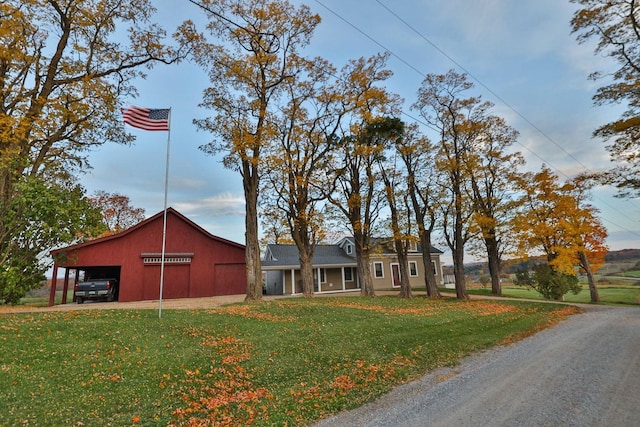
(405, 285)
(494, 265)
(5, 200)
(458, 271)
(252, 251)
(593, 290)
(429, 277)
(364, 270)
(458, 262)
(364, 274)
(398, 241)
(306, 271)
(300, 234)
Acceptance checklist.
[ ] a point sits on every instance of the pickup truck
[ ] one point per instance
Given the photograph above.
(106, 289)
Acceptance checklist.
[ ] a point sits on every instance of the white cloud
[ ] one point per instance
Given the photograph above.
(224, 204)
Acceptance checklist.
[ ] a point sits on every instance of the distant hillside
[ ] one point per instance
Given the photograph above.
(623, 255)
(512, 265)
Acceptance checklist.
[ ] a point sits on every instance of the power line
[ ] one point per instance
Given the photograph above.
(257, 34)
(457, 64)
(481, 83)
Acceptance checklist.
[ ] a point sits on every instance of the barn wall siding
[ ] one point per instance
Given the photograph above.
(216, 267)
(230, 279)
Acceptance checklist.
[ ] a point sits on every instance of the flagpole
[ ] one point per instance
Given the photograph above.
(164, 221)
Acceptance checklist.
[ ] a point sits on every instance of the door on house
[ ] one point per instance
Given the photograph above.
(395, 274)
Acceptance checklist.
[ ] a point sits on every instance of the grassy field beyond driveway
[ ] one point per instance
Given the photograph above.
(282, 362)
(608, 294)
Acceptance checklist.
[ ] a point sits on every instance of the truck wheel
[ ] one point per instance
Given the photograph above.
(79, 300)
(110, 297)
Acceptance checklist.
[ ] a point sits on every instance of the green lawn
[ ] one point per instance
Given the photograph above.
(283, 362)
(40, 298)
(608, 294)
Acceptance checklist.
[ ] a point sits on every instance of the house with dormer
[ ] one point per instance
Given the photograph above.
(334, 267)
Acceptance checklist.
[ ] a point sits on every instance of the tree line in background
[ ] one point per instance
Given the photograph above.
(318, 148)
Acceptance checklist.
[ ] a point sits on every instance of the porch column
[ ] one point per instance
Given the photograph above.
(319, 283)
(342, 274)
(54, 280)
(65, 286)
(293, 282)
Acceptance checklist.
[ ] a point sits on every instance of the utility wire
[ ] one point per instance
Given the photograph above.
(409, 65)
(502, 100)
(256, 36)
(457, 64)
(481, 83)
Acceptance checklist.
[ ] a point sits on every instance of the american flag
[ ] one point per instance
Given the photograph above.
(146, 118)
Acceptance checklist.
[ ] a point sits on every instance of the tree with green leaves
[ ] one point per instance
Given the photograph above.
(64, 69)
(615, 25)
(550, 283)
(255, 55)
(40, 216)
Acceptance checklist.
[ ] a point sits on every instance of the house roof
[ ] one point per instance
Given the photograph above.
(286, 256)
(386, 245)
(159, 215)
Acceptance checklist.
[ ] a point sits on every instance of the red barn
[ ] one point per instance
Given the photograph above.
(197, 263)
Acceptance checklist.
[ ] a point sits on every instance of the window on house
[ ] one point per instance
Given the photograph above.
(349, 249)
(323, 276)
(413, 269)
(348, 274)
(435, 270)
(378, 271)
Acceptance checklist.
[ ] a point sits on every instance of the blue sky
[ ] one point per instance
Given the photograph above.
(521, 56)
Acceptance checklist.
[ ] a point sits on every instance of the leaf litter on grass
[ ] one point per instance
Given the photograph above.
(254, 363)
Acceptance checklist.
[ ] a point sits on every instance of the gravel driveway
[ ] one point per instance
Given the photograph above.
(583, 372)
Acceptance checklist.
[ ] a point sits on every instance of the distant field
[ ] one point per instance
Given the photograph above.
(614, 271)
(608, 294)
(40, 298)
(618, 282)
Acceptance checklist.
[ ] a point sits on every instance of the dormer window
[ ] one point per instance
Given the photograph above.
(413, 246)
(349, 249)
